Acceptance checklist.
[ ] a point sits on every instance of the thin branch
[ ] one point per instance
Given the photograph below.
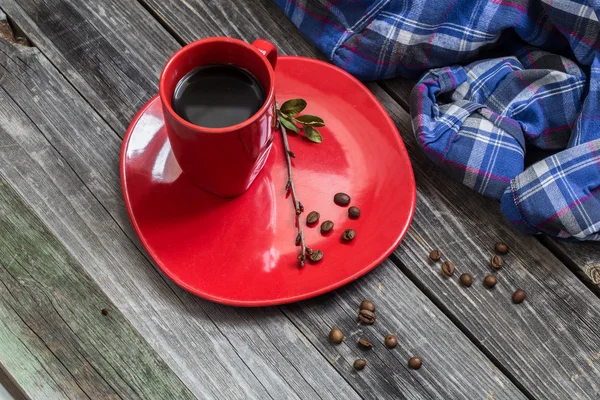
(291, 187)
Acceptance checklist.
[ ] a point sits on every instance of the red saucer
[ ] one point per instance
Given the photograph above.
(241, 251)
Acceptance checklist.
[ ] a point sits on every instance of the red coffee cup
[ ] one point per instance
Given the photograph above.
(224, 161)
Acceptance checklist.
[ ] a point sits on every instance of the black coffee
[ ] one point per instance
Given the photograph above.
(218, 95)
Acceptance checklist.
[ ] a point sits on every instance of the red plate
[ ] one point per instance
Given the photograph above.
(241, 251)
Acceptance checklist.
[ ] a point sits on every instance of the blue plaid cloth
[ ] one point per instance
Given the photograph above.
(522, 127)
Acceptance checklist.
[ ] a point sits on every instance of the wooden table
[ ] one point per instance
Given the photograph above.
(68, 251)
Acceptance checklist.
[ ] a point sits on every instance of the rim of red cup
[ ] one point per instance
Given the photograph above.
(179, 53)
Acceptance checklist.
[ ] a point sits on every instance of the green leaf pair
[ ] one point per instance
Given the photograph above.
(292, 107)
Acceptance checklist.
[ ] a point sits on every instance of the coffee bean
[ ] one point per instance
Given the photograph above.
(104, 311)
(518, 296)
(497, 262)
(298, 240)
(341, 199)
(435, 255)
(312, 218)
(391, 341)
(365, 343)
(316, 256)
(353, 212)
(448, 268)
(367, 305)
(366, 317)
(501, 248)
(336, 336)
(349, 234)
(490, 281)
(415, 362)
(326, 227)
(466, 279)
(360, 364)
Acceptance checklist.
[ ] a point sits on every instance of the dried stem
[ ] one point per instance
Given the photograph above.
(291, 187)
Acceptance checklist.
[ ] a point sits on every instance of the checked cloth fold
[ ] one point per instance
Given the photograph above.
(508, 100)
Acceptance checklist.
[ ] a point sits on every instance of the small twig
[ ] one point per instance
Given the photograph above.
(290, 187)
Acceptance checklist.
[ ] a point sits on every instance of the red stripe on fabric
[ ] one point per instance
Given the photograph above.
(569, 207)
(579, 37)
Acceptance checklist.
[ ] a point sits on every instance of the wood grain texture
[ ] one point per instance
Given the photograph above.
(285, 363)
(116, 80)
(219, 352)
(55, 340)
(582, 258)
(451, 370)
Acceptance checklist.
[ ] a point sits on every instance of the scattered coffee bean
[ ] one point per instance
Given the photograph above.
(448, 268)
(501, 248)
(298, 240)
(435, 255)
(326, 227)
(104, 311)
(518, 296)
(415, 362)
(365, 343)
(360, 364)
(353, 212)
(466, 279)
(391, 341)
(316, 256)
(367, 305)
(349, 234)
(341, 199)
(312, 218)
(366, 317)
(490, 281)
(336, 336)
(497, 262)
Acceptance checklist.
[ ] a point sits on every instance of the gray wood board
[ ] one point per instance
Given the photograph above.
(56, 158)
(582, 258)
(447, 209)
(55, 340)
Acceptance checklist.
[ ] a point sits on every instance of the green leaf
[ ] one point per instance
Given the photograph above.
(293, 107)
(288, 124)
(311, 120)
(312, 134)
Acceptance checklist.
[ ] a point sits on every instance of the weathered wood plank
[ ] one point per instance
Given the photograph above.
(439, 217)
(582, 258)
(116, 80)
(451, 370)
(217, 351)
(8, 389)
(274, 332)
(55, 341)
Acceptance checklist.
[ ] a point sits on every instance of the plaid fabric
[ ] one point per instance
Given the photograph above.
(486, 121)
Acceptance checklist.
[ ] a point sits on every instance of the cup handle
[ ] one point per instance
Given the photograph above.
(268, 49)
